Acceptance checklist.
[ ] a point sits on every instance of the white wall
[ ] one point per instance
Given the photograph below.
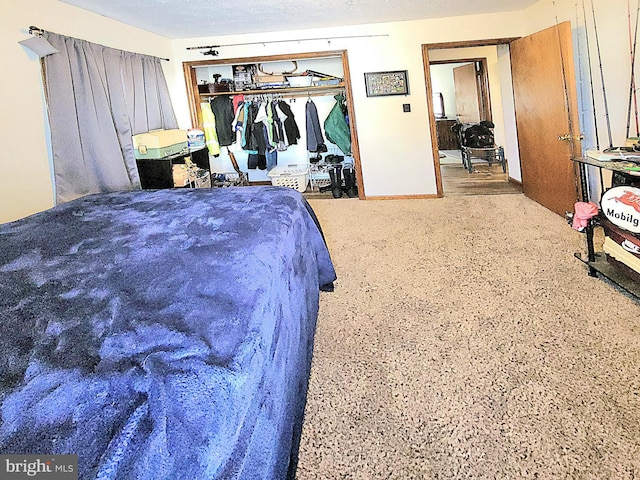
(442, 81)
(511, 150)
(25, 173)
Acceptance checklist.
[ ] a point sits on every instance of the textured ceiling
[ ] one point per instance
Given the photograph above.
(202, 18)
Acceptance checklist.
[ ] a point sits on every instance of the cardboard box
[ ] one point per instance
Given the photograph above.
(180, 175)
(184, 176)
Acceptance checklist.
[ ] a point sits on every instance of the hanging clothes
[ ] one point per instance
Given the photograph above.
(315, 140)
(222, 107)
(271, 136)
(264, 116)
(254, 141)
(271, 160)
(290, 126)
(253, 137)
(238, 100)
(336, 127)
(255, 160)
(245, 115)
(238, 123)
(274, 136)
(209, 127)
(278, 127)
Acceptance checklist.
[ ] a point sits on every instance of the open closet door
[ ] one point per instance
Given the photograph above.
(547, 110)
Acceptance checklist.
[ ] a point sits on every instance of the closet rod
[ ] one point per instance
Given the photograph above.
(315, 93)
(299, 94)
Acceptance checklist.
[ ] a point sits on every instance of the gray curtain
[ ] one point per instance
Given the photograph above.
(98, 97)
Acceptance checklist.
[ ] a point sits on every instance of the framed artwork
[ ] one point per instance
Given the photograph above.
(386, 83)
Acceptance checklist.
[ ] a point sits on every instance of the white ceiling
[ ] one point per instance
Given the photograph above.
(176, 19)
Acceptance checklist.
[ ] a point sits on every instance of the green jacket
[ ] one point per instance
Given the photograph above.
(336, 128)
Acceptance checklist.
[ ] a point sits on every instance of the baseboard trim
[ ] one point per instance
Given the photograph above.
(401, 197)
(515, 182)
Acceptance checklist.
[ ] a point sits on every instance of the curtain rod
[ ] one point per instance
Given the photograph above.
(33, 30)
(328, 39)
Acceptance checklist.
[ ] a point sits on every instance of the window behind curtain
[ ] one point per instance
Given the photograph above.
(98, 97)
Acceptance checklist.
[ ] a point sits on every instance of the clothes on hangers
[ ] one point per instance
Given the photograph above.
(209, 128)
(237, 100)
(271, 158)
(292, 133)
(256, 160)
(261, 124)
(238, 122)
(265, 117)
(278, 123)
(254, 140)
(336, 126)
(315, 140)
(222, 107)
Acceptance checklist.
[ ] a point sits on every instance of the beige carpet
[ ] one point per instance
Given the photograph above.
(464, 340)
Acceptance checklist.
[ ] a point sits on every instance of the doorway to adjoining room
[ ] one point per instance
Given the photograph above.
(465, 83)
(461, 97)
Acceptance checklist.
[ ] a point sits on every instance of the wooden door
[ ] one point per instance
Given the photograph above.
(547, 108)
(465, 81)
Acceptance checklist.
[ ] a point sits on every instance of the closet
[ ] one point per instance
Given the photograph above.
(263, 79)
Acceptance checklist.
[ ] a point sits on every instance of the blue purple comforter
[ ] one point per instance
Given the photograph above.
(161, 334)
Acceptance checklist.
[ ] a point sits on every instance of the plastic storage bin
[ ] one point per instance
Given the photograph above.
(300, 80)
(292, 176)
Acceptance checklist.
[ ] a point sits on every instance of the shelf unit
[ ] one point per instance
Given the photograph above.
(596, 260)
(157, 173)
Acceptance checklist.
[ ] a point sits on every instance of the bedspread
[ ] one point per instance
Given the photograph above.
(161, 334)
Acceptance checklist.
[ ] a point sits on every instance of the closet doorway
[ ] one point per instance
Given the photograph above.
(267, 78)
(460, 74)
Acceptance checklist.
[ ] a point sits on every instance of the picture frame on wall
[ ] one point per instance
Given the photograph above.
(379, 84)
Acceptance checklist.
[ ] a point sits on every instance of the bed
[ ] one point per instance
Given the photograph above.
(162, 334)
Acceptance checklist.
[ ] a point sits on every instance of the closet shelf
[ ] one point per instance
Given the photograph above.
(289, 91)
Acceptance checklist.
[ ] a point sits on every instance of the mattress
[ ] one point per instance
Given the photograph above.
(161, 334)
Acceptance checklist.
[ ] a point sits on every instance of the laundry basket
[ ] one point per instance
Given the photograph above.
(292, 176)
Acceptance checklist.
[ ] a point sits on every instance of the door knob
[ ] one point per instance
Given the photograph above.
(567, 137)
